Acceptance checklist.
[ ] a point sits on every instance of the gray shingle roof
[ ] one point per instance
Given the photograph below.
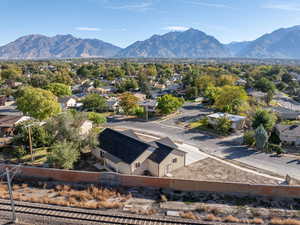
(289, 130)
(122, 145)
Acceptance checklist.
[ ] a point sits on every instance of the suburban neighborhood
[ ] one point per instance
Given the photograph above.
(133, 122)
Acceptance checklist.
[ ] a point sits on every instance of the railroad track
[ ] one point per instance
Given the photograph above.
(92, 216)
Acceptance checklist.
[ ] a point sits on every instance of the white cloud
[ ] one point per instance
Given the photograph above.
(283, 6)
(88, 28)
(206, 4)
(176, 28)
(139, 6)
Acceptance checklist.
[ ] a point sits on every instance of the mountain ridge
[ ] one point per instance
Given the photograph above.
(35, 46)
(192, 43)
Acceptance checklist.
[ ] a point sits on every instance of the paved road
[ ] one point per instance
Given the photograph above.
(226, 148)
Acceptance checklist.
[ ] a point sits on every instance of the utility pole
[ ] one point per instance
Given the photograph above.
(146, 113)
(30, 143)
(14, 218)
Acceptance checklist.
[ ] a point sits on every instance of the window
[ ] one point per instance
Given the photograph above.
(137, 165)
(101, 154)
(174, 160)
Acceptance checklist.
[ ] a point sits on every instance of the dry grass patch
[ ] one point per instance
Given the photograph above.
(212, 217)
(279, 221)
(189, 215)
(231, 219)
(92, 197)
(256, 221)
(147, 212)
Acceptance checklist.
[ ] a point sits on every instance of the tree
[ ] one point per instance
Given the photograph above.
(287, 78)
(269, 97)
(211, 92)
(59, 89)
(97, 118)
(63, 155)
(39, 80)
(226, 80)
(265, 85)
(265, 118)
(94, 102)
(38, 103)
(231, 99)
(97, 83)
(39, 135)
(204, 81)
(261, 137)
(223, 125)
(67, 126)
(168, 104)
(128, 102)
(10, 74)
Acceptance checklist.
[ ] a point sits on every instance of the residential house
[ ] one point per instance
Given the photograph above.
(102, 90)
(241, 82)
(258, 95)
(125, 152)
(10, 110)
(140, 96)
(67, 102)
(238, 122)
(8, 123)
(149, 105)
(286, 114)
(113, 104)
(289, 134)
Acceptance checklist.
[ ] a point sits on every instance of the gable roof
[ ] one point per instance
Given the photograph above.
(122, 145)
(163, 147)
(65, 99)
(10, 121)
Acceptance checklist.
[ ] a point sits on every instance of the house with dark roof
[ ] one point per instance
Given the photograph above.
(125, 152)
(289, 134)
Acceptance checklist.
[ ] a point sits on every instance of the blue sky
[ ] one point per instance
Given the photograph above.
(122, 22)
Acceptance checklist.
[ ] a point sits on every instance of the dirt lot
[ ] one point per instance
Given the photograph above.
(157, 202)
(213, 170)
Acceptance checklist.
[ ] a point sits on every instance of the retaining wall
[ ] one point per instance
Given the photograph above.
(168, 183)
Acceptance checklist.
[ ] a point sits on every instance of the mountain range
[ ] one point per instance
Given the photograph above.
(59, 46)
(192, 43)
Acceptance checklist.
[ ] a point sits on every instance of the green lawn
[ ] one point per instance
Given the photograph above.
(200, 124)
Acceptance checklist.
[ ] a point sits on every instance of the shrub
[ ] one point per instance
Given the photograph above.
(139, 111)
(249, 138)
(223, 126)
(274, 138)
(276, 148)
(19, 151)
(264, 117)
(261, 138)
(97, 118)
